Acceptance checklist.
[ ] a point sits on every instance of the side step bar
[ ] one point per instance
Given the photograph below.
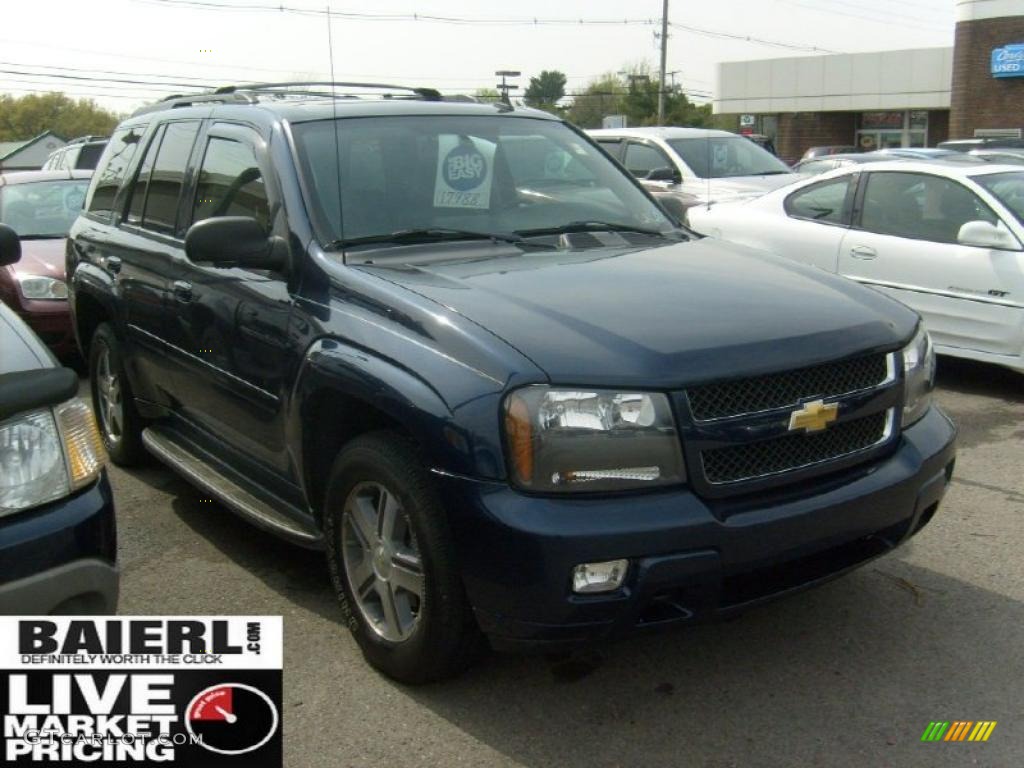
(171, 451)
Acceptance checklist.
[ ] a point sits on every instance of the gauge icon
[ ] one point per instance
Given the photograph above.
(232, 718)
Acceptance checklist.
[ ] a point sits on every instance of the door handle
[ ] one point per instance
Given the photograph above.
(114, 264)
(182, 290)
(863, 252)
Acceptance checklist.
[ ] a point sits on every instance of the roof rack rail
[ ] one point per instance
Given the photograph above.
(427, 94)
(183, 100)
(87, 138)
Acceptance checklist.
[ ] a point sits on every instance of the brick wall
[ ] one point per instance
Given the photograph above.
(938, 126)
(980, 100)
(800, 130)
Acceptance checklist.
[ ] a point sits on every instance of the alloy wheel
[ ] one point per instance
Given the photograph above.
(109, 396)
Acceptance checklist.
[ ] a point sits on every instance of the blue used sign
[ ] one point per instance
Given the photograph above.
(1008, 61)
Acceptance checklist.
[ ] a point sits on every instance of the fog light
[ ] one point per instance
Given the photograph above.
(599, 577)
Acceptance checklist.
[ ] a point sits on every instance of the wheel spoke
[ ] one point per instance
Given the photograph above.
(387, 512)
(389, 610)
(407, 575)
(363, 576)
(116, 416)
(364, 520)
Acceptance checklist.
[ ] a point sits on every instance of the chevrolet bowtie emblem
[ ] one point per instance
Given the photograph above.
(814, 417)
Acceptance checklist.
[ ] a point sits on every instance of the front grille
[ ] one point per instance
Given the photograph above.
(777, 390)
(748, 461)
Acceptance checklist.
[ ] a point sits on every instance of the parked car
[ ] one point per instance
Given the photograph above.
(826, 163)
(943, 238)
(825, 151)
(40, 206)
(79, 154)
(763, 141)
(694, 165)
(1003, 156)
(541, 412)
(58, 542)
(966, 145)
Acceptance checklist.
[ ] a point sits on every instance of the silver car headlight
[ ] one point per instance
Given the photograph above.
(46, 454)
(562, 440)
(42, 287)
(919, 377)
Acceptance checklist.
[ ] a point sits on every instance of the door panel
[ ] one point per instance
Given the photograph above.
(969, 297)
(233, 323)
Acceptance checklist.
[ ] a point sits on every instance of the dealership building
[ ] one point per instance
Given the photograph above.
(906, 98)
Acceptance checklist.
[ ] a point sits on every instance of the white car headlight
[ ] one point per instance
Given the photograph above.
(561, 440)
(919, 377)
(46, 454)
(42, 287)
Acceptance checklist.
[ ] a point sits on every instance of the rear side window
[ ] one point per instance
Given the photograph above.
(825, 201)
(88, 156)
(168, 177)
(137, 203)
(230, 183)
(113, 167)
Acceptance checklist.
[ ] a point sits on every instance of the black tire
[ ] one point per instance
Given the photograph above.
(445, 638)
(123, 439)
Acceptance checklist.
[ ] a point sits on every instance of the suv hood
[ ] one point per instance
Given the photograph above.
(44, 257)
(661, 317)
(737, 187)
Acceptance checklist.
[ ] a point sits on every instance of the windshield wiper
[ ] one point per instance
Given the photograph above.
(770, 173)
(590, 226)
(432, 235)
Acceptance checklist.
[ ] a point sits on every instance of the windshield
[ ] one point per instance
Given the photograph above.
(722, 157)
(42, 208)
(1008, 188)
(474, 174)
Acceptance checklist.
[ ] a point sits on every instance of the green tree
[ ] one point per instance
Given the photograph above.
(27, 116)
(545, 90)
(487, 94)
(602, 96)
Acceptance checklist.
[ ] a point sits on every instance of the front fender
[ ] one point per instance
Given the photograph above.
(460, 438)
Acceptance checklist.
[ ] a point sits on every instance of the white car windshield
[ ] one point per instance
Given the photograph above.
(722, 157)
(1008, 188)
(460, 175)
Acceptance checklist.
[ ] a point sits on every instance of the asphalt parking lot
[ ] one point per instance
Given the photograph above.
(848, 674)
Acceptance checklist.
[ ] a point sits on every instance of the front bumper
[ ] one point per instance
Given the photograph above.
(690, 558)
(61, 557)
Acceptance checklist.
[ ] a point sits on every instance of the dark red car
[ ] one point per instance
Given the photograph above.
(40, 206)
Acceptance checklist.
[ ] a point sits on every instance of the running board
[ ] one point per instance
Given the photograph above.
(172, 452)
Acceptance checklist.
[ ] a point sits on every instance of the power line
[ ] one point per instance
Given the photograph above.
(211, 5)
(56, 76)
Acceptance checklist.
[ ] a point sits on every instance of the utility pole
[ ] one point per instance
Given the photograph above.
(664, 56)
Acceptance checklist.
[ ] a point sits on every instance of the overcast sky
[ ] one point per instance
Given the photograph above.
(192, 43)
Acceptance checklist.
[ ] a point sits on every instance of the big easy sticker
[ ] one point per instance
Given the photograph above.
(465, 172)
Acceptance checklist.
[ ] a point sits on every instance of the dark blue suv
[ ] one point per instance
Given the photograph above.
(58, 544)
(458, 348)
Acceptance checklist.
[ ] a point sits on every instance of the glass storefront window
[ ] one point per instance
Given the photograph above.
(882, 120)
(886, 130)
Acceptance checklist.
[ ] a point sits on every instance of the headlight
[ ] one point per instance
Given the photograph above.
(46, 454)
(563, 440)
(37, 287)
(919, 377)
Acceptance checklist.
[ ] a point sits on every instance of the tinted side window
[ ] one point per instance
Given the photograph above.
(230, 183)
(168, 176)
(820, 202)
(137, 202)
(611, 146)
(641, 159)
(920, 206)
(113, 166)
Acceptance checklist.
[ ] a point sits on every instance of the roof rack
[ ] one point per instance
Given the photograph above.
(248, 93)
(427, 94)
(182, 100)
(85, 139)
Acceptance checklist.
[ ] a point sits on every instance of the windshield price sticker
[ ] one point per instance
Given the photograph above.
(465, 171)
(129, 691)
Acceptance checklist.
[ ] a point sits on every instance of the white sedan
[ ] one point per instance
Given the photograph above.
(945, 239)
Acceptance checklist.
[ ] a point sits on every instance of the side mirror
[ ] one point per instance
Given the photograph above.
(10, 246)
(982, 234)
(670, 175)
(234, 241)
